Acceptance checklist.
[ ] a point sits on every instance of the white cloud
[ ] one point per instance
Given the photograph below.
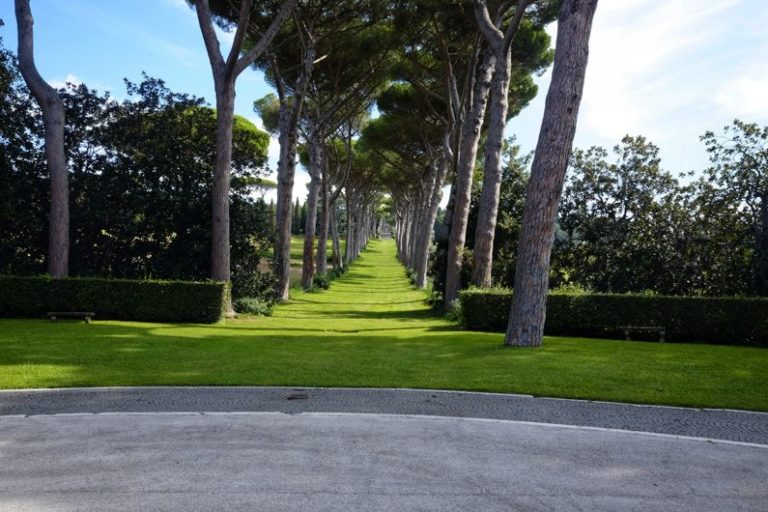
(669, 71)
(745, 96)
(71, 78)
(643, 64)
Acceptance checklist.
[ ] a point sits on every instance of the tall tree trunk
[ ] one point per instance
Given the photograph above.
(308, 266)
(489, 198)
(322, 242)
(404, 230)
(286, 170)
(350, 229)
(471, 130)
(336, 245)
(53, 122)
(528, 313)
(225, 113)
(225, 73)
(422, 258)
(288, 125)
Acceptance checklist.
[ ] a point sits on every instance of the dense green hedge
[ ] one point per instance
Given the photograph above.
(732, 321)
(113, 299)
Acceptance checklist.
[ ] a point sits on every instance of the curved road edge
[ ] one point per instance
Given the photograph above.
(716, 424)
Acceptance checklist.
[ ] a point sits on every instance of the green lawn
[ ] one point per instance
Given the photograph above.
(371, 329)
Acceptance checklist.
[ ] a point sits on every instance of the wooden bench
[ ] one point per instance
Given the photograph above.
(85, 315)
(644, 328)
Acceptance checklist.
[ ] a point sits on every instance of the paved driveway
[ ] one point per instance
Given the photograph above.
(358, 462)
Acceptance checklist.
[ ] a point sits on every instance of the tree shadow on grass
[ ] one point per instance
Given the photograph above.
(36, 353)
(131, 354)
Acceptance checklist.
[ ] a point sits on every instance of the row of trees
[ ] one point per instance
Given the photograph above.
(463, 72)
(305, 27)
(445, 76)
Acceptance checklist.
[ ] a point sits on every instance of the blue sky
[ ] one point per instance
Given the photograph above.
(666, 70)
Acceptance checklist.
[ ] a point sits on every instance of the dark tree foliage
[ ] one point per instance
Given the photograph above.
(23, 176)
(141, 177)
(626, 225)
(617, 221)
(738, 184)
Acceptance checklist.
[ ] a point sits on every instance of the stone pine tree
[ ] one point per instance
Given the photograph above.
(357, 58)
(225, 73)
(500, 44)
(512, 44)
(53, 120)
(545, 186)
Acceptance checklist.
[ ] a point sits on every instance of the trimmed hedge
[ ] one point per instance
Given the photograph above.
(112, 299)
(721, 320)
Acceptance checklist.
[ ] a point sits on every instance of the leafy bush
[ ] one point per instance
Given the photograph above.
(112, 299)
(253, 306)
(322, 281)
(253, 283)
(723, 320)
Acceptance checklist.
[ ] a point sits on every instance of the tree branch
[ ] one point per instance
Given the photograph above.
(491, 32)
(266, 39)
(209, 37)
(237, 42)
(514, 25)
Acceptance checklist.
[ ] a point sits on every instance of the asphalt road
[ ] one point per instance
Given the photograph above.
(709, 423)
(76, 450)
(328, 461)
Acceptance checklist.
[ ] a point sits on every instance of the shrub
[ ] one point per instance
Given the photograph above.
(253, 283)
(253, 306)
(322, 281)
(724, 320)
(112, 299)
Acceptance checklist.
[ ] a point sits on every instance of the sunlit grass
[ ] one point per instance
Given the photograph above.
(371, 329)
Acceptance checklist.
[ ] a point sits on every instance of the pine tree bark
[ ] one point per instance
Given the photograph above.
(492, 172)
(422, 257)
(350, 230)
(288, 126)
(225, 115)
(225, 73)
(322, 240)
(308, 265)
(500, 44)
(471, 129)
(528, 312)
(338, 262)
(53, 122)
(286, 171)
